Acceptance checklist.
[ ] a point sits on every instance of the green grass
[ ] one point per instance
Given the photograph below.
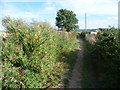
(86, 80)
(72, 56)
(1, 74)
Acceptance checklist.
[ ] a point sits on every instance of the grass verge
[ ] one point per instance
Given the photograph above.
(72, 56)
(86, 82)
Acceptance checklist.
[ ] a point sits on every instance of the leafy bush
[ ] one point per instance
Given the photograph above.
(106, 56)
(32, 54)
(83, 34)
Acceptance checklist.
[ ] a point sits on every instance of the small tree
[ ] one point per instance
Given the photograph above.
(66, 19)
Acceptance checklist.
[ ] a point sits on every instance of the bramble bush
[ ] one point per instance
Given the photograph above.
(106, 57)
(32, 54)
(83, 34)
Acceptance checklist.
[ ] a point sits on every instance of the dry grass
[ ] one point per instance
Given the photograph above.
(91, 38)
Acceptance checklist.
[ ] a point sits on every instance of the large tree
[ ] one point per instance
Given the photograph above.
(67, 20)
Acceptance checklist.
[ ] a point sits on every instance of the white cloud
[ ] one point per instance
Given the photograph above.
(50, 9)
(27, 0)
(13, 11)
(113, 18)
(28, 13)
(103, 8)
(101, 23)
(81, 6)
(91, 6)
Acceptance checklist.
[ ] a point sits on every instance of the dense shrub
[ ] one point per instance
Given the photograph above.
(32, 54)
(83, 34)
(106, 57)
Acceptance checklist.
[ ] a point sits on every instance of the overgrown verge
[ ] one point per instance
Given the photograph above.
(72, 56)
(1, 74)
(104, 56)
(35, 55)
(86, 81)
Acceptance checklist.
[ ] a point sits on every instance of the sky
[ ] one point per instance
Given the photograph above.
(100, 13)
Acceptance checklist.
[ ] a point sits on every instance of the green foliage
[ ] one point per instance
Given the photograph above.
(86, 66)
(106, 56)
(83, 34)
(32, 54)
(66, 19)
(13, 25)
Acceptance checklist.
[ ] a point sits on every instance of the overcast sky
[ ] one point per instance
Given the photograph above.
(100, 13)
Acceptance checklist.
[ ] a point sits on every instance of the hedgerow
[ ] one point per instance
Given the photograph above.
(106, 57)
(32, 54)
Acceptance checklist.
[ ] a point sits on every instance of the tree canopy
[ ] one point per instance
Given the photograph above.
(66, 19)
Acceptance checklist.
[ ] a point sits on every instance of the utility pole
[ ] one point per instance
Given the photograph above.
(119, 15)
(85, 21)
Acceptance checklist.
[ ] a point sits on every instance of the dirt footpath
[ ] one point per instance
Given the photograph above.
(74, 81)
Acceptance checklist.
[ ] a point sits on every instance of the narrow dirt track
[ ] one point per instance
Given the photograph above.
(74, 81)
